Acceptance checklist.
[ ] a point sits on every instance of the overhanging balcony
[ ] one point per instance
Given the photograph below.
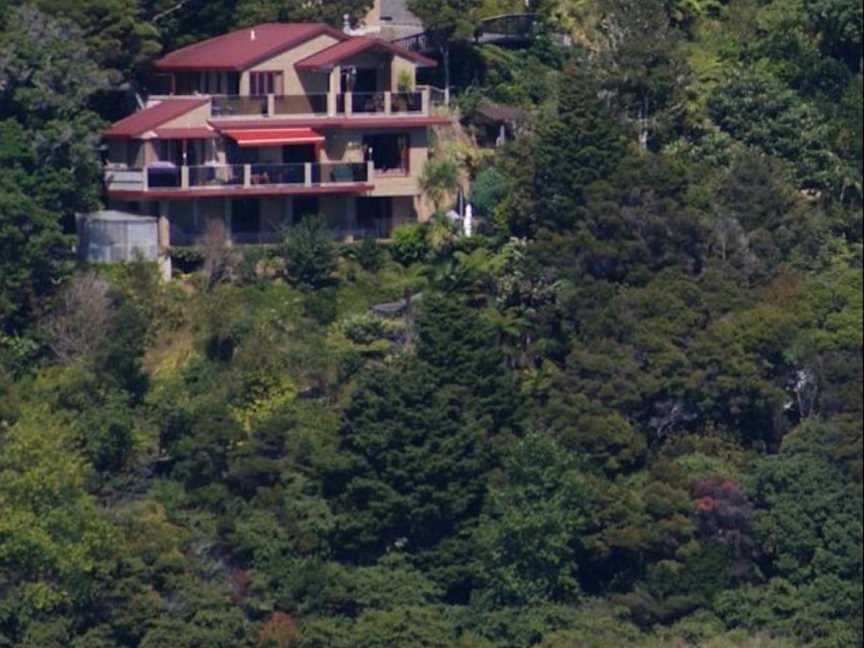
(167, 181)
(416, 103)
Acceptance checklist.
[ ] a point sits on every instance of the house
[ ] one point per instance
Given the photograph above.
(494, 123)
(391, 20)
(262, 126)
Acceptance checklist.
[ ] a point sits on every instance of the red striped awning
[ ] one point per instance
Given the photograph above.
(274, 136)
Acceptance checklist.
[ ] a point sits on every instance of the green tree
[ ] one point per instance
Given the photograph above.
(57, 549)
(446, 21)
(34, 256)
(809, 523)
(310, 256)
(582, 145)
(439, 179)
(528, 543)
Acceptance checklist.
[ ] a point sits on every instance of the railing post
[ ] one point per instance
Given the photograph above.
(370, 170)
(307, 174)
(145, 178)
(331, 103)
(425, 100)
(388, 102)
(271, 105)
(184, 177)
(247, 175)
(349, 103)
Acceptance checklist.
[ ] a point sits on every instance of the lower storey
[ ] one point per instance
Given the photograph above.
(263, 219)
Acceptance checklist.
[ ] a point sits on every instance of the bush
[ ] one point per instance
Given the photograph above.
(409, 243)
(321, 306)
(369, 254)
(363, 329)
(487, 191)
(309, 254)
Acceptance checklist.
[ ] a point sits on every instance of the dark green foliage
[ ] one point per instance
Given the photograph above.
(756, 108)
(487, 191)
(33, 256)
(309, 254)
(630, 417)
(409, 244)
(369, 254)
(581, 146)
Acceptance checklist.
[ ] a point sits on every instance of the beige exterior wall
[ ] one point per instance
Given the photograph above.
(401, 66)
(294, 83)
(373, 17)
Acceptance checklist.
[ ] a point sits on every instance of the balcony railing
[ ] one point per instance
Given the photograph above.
(228, 176)
(310, 104)
(340, 173)
(278, 174)
(374, 104)
(236, 106)
(223, 175)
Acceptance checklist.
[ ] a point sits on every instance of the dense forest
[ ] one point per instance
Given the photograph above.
(628, 412)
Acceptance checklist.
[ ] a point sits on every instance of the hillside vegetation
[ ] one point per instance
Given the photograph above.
(627, 413)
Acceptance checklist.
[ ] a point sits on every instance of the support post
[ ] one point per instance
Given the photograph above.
(163, 240)
(388, 102)
(247, 175)
(307, 174)
(425, 100)
(349, 104)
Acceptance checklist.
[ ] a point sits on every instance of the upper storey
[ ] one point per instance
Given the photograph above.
(295, 69)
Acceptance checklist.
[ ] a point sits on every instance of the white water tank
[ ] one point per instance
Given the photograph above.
(111, 236)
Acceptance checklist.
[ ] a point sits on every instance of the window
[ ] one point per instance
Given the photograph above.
(264, 83)
(245, 217)
(389, 153)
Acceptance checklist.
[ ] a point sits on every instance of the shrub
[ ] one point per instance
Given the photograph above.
(321, 306)
(409, 243)
(363, 329)
(310, 255)
(367, 253)
(488, 189)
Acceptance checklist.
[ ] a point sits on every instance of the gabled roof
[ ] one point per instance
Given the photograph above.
(156, 115)
(333, 55)
(241, 49)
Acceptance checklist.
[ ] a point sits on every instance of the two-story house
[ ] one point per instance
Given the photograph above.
(261, 126)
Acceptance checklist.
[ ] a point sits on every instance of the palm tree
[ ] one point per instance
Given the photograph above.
(439, 178)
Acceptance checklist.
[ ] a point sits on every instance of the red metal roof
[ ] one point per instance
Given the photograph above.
(273, 136)
(241, 49)
(333, 123)
(194, 132)
(146, 120)
(332, 55)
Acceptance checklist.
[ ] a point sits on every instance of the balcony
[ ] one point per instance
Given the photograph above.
(225, 178)
(358, 104)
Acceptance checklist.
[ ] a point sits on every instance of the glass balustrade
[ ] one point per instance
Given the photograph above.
(216, 175)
